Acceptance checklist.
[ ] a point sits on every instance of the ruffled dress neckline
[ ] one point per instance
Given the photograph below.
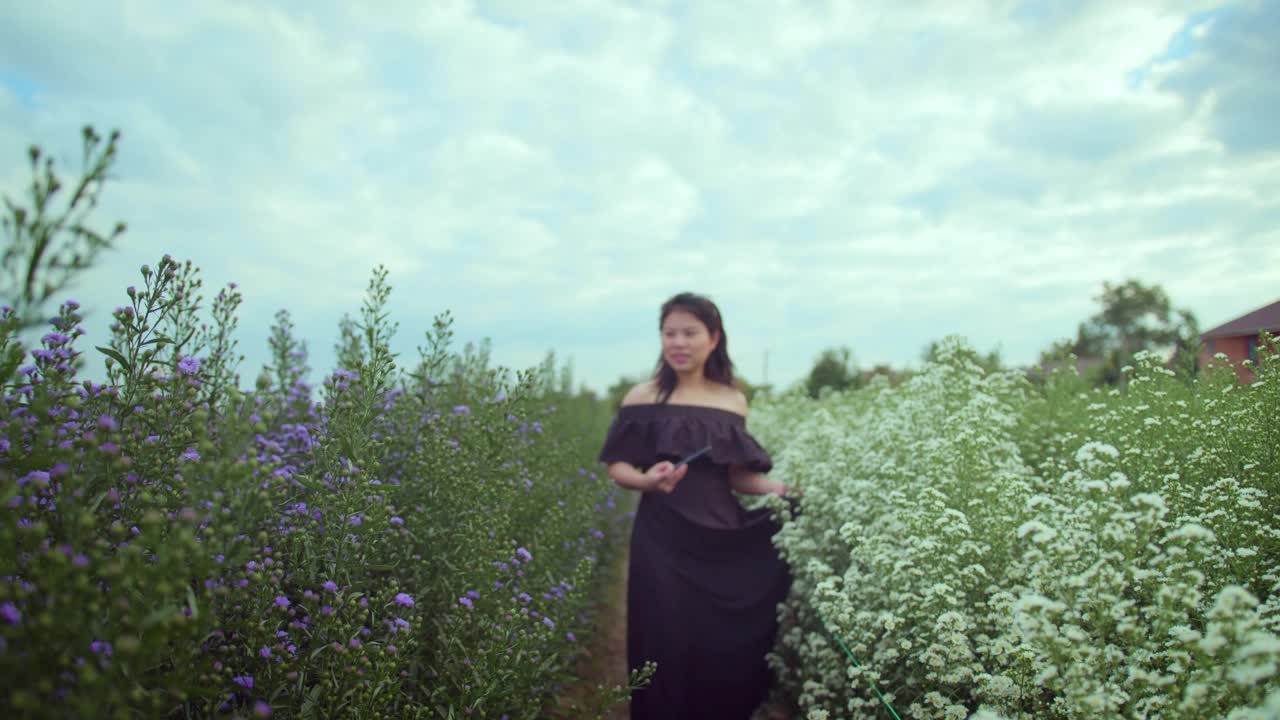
(683, 407)
(646, 434)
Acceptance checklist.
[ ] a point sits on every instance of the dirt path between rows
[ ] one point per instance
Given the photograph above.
(604, 662)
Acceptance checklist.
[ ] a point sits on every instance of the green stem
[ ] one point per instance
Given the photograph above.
(859, 667)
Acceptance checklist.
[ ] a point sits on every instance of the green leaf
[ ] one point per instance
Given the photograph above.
(158, 616)
(309, 705)
(191, 601)
(160, 340)
(114, 355)
(98, 502)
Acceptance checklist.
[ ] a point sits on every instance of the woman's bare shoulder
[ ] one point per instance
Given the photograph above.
(646, 393)
(726, 398)
(736, 401)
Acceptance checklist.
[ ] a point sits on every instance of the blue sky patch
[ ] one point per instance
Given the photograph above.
(1183, 44)
(23, 89)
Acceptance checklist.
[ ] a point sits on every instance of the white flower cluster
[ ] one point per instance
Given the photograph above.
(986, 547)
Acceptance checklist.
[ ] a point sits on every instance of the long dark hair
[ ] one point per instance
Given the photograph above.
(719, 367)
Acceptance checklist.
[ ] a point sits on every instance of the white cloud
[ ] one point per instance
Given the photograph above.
(876, 175)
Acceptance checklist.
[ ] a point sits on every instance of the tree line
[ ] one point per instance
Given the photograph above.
(1131, 317)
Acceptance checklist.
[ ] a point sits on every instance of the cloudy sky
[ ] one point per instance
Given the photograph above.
(869, 174)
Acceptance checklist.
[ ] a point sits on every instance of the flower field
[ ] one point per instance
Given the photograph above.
(418, 542)
(990, 548)
(430, 541)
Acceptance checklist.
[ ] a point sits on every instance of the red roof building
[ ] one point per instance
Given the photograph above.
(1238, 339)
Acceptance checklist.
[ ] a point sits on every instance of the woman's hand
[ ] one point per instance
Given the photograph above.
(663, 476)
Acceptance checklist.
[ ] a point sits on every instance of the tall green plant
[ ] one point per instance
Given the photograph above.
(46, 245)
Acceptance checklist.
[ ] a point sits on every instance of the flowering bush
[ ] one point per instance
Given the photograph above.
(401, 542)
(981, 544)
(392, 548)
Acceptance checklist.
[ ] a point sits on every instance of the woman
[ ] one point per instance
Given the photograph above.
(704, 578)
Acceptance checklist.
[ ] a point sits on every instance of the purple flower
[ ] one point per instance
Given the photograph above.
(39, 477)
(396, 521)
(464, 600)
(282, 601)
(330, 585)
(355, 643)
(524, 554)
(261, 709)
(100, 647)
(355, 520)
(404, 600)
(188, 366)
(550, 623)
(571, 636)
(244, 681)
(461, 410)
(191, 455)
(265, 652)
(326, 610)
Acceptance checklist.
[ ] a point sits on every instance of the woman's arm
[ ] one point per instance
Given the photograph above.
(753, 483)
(662, 476)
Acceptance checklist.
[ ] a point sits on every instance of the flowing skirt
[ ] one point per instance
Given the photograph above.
(702, 604)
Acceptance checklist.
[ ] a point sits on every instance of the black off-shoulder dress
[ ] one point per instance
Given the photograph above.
(705, 579)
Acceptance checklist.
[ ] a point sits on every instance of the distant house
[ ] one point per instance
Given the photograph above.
(1238, 339)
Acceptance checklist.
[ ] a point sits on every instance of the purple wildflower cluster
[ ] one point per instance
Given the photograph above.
(171, 530)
